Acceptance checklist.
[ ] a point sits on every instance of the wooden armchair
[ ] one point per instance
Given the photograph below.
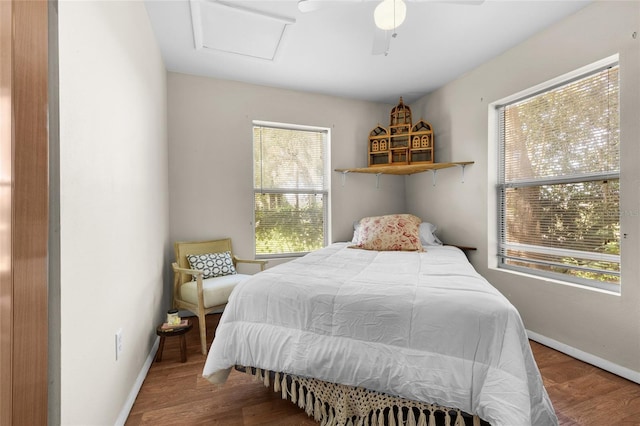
(204, 295)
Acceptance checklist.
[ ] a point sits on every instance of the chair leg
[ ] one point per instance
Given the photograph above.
(183, 348)
(203, 333)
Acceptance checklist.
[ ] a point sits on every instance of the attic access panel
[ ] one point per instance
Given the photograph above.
(236, 29)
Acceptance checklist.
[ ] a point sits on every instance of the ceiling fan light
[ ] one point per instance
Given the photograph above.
(390, 14)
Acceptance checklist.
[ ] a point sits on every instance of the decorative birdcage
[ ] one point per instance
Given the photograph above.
(402, 142)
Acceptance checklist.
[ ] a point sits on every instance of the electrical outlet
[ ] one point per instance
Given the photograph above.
(118, 343)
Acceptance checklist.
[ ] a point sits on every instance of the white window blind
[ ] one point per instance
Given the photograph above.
(559, 188)
(291, 189)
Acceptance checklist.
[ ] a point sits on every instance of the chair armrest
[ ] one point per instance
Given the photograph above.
(177, 283)
(193, 272)
(262, 263)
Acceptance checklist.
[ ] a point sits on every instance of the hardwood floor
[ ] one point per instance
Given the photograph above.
(174, 393)
(586, 395)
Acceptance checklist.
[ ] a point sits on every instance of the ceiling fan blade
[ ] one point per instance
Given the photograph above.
(467, 2)
(381, 42)
(306, 6)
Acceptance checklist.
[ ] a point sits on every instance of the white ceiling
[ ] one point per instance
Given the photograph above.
(329, 50)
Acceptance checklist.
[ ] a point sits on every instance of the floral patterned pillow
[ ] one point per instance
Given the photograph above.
(388, 233)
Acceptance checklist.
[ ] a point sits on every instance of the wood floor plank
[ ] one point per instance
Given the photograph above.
(581, 389)
(621, 403)
(176, 393)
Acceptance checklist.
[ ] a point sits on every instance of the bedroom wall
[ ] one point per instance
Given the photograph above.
(599, 327)
(113, 204)
(210, 156)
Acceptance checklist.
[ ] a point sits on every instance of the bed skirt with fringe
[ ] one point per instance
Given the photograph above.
(332, 404)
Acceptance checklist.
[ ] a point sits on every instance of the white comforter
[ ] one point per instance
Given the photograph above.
(422, 326)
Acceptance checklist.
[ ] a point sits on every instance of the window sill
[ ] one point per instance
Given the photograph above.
(554, 281)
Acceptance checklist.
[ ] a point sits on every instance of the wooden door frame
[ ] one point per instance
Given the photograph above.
(24, 212)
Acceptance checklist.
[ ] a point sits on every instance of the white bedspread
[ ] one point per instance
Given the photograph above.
(422, 326)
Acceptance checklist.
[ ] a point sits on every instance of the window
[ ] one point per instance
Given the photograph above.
(291, 188)
(558, 184)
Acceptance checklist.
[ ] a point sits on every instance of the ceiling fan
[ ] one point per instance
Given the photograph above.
(388, 16)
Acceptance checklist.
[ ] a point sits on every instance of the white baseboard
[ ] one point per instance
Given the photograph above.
(609, 366)
(126, 409)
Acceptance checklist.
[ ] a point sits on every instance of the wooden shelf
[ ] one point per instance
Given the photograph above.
(407, 169)
(465, 249)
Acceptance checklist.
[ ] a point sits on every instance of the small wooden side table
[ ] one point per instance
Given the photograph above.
(170, 332)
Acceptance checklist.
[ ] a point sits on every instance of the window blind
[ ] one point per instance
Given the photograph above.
(559, 190)
(289, 159)
(290, 189)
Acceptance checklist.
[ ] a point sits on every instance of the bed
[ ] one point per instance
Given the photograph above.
(415, 331)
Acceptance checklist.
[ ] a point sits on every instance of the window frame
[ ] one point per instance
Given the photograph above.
(326, 193)
(497, 134)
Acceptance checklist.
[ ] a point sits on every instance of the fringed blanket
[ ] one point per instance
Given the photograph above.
(332, 404)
